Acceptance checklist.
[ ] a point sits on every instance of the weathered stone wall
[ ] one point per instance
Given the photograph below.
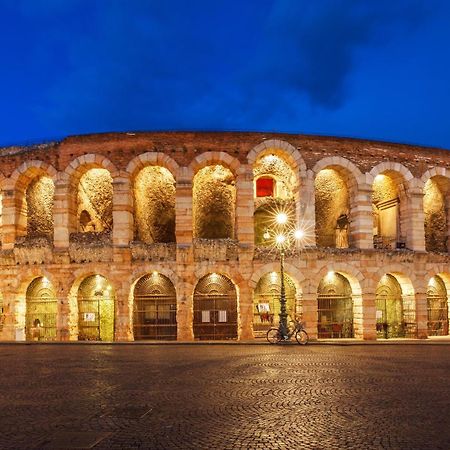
(436, 228)
(154, 197)
(332, 200)
(39, 197)
(214, 199)
(95, 194)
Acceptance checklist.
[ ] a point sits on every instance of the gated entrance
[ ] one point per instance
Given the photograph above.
(266, 302)
(155, 308)
(41, 307)
(389, 309)
(215, 308)
(335, 307)
(95, 309)
(437, 307)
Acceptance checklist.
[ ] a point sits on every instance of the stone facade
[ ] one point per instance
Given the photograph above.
(75, 251)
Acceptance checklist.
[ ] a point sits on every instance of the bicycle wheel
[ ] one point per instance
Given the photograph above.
(301, 337)
(273, 335)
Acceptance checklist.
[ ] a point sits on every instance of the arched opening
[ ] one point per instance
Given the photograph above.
(96, 316)
(395, 309)
(155, 308)
(273, 191)
(436, 204)
(214, 203)
(215, 308)
(335, 307)
(332, 201)
(41, 309)
(35, 207)
(389, 211)
(95, 201)
(266, 301)
(437, 305)
(154, 200)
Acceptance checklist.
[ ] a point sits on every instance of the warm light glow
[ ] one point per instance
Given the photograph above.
(154, 273)
(330, 274)
(266, 235)
(379, 177)
(281, 218)
(299, 234)
(280, 239)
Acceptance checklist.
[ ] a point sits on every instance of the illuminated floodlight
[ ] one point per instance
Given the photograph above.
(281, 218)
(280, 239)
(299, 234)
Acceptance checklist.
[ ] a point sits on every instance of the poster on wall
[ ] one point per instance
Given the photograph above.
(89, 317)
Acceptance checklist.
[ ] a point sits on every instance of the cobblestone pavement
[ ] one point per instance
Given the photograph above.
(225, 397)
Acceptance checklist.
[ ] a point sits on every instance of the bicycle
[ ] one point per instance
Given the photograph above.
(275, 335)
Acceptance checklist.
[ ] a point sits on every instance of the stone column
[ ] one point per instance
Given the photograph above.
(9, 319)
(369, 316)
(8, 216)
(361, 215)
(61, 211)
(310, 313)
(244, 206)
(307, 208)
(245, 331)
(62, 289)
(422, 314)
(122, 217)
(185, 256)
(123, 320)
(447, 210)
(415, 231)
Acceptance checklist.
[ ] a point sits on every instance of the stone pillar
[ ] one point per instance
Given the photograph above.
(369, 316)
(422, 315)
(308, 209)
(310, 313)
(245, 331)
(9, 320)
(447, 211)
(185, 311)
(122, 211)
(123, 319)
(185, 255)
(361, 215)
(61, 211)
(8, 216)
(244, 206)
(63, 307)
(415, 231)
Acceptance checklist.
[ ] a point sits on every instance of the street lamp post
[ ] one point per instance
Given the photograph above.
(282, 240)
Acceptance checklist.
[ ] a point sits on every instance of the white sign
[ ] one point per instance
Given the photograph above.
(89, 317)
(222, 316)
(206, 316)
(379, 314)
(263, 307)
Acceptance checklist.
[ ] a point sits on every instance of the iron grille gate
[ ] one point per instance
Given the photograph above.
(437, 314)
(41, 308)
(215, 308)
(335, 316)
(266, 306)
(390, 323)
(155, 308)
(95, 310)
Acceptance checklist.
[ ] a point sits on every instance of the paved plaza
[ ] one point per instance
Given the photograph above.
(225, 397)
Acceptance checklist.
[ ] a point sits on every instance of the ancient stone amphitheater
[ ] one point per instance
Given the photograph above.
(128, 236)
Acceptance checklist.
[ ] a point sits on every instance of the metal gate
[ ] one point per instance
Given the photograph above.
(335, 308)
(266, 304)
(155, 308)
(389, 309)
(215, 308)
(41, 308)
(95, 310)
(437, 308)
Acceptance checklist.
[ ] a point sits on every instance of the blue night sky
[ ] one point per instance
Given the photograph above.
(373, 69)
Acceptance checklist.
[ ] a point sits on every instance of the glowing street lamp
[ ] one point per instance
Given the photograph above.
(283, 239)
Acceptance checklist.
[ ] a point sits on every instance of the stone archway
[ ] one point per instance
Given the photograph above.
(41, 311)
(215, 308)
(154, 308)
(96, 309)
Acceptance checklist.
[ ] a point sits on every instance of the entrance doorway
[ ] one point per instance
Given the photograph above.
(215, 308)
